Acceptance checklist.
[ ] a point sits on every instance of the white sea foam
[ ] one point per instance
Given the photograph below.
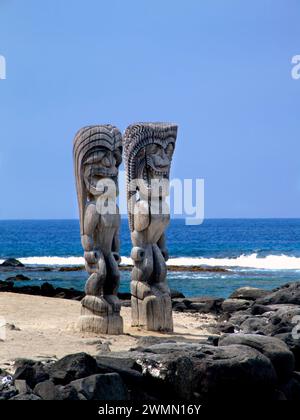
(269, 262)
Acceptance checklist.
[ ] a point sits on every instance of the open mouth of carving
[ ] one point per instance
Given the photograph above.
(150, 174)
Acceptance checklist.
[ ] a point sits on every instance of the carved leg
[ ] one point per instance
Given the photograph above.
(151, 302)
(140, 288)
(111, 286)
(97, 313)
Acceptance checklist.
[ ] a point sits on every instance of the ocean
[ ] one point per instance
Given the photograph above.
(256, 252)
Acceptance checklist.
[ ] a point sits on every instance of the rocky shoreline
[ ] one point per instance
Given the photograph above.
(253, 354)
(12, 263)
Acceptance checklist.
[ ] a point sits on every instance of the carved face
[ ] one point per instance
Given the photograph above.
(154, 164)
(99, 164)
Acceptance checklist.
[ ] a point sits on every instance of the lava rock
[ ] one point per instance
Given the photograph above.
(21, 386)
(6, 286)
(291, 389)
(209, 373)
(18, 277)
(47, 290)
(7, 392)
(46, 390)
(175, 294)
(283, 320)
(72, 367)
(178, 306)
(234, 305)
(203, 305)
(286, 294)
(67, 392)
(276, 350)
(23, 397)
(293, 344)
(12, 262)
(30, 371)
(253, 325)
(257, 309)
(249, 293)
(101, 387)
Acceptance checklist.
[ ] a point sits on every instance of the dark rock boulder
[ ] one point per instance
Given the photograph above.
(140, 387)
(18, 277)
(22, 387)
(249, 293)
(12, 262)
(7, 392)
(48, 391)
(258, 309)
(286, 294)
(283, 320)
(101, 387)
(234, 305)
(198, 304)
(6, 286)
(253, 325)
(273, 348)
(293, 344)
(209, 373)
(178, 306)
(72, 367)
(23, 397)
(30, 371)
(48, 290)
(238, 318)
(175, 294)
(67, 392)
(291, 389)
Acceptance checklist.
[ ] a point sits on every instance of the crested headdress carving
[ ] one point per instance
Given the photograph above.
(86, 142)
(136, 138)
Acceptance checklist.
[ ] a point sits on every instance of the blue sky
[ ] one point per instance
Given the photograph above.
(220, 69)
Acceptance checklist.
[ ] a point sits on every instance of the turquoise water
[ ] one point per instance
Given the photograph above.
(258, 252)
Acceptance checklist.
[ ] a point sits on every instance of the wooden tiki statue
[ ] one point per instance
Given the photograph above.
(97, 155)
(148, 151)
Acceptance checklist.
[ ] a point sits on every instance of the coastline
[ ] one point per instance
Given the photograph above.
(73, 268)
(247, 340)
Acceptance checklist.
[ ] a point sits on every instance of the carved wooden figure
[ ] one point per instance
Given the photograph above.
(97, 155)
(148, 151)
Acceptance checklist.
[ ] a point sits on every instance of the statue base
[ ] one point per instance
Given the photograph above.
(106, 321)
(154, 313)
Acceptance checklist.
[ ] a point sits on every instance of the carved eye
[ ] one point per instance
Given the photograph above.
(153, 149)
(170, 150)
(118, 157)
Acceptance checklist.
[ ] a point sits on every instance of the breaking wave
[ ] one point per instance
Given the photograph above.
(269, 262)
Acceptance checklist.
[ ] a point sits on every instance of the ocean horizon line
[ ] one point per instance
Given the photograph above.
(172, 218)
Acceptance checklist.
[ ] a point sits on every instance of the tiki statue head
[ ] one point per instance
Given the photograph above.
(97, 154)
(148, 151)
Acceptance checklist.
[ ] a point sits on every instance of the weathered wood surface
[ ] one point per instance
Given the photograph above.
(148, 151)
(97, 156)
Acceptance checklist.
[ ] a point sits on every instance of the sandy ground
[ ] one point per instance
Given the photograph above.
(45, 328)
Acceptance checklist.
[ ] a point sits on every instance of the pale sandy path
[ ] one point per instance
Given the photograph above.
(48, 329)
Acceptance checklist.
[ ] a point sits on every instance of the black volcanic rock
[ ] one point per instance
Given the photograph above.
(234, 305)
(18, 277)
(286, 294)
(32, 372)
(72, 367)
(12, 262)
(101, 387)
(208, 373)
(276, 350)
(249, 293)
